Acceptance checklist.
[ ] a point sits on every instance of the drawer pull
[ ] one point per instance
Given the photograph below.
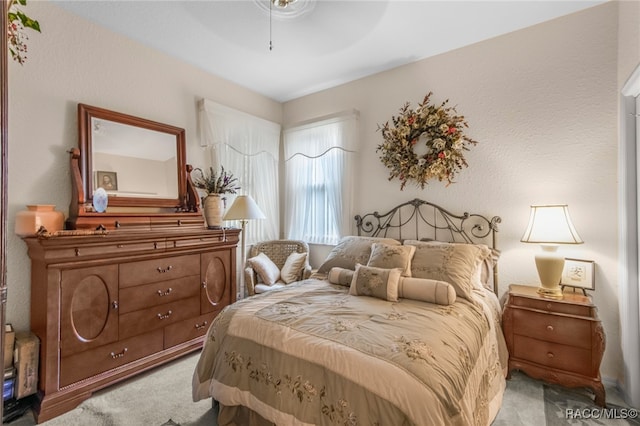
(549, 306)
(201, 326)
(204, 284)
(163, 270)
(550, 355)
(164, 293)
(77, 251)
(164, 316)
(119, 354)
(549, 328)
(115, 304)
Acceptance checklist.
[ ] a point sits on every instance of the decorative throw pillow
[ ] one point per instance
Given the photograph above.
(449, 262)
(352, 250)
(426, 290)
(375, 282)
(340, 276)
(392, 256)
(290, 271)
(267, 271)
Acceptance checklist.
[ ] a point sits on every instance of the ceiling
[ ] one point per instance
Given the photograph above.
(317, 44)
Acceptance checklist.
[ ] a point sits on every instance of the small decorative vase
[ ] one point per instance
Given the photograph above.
(28, 222)
(213, 209)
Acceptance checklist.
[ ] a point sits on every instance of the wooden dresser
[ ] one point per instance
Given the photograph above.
(559, 341)
(108, 305)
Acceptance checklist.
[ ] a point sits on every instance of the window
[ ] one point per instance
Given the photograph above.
(318, 177)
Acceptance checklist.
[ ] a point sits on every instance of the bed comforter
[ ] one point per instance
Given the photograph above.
(312, 354)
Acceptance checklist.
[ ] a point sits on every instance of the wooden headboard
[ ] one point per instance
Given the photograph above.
(421, 220)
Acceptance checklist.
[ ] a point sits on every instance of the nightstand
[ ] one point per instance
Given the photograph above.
(558, 341)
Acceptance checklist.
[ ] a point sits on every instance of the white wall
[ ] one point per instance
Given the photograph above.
(74, 61)
(542, 103)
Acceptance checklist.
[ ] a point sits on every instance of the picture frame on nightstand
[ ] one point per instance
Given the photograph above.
(579, 273)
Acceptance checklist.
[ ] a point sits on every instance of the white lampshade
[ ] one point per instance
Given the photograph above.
(244, 208)
(550, 225)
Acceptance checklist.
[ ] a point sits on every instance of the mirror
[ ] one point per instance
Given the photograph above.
(139, 163)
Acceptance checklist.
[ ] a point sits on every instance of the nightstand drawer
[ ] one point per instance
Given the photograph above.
(552, 305)
(552, 328)
(554, 355)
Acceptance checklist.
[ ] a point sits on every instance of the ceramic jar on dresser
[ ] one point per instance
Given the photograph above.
(559, 341)
(109, 305)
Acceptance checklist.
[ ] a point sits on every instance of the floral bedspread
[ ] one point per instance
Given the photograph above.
(313, 354)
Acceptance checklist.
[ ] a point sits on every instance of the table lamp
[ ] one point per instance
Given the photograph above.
(549, 226)
(243, 209)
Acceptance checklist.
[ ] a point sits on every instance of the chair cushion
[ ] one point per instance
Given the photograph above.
(267, 271)
(290, 272)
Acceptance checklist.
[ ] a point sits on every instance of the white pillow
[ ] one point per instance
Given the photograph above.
(291, 269)
(265, 268)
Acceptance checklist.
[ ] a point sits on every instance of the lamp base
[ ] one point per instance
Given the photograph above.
(550, 293)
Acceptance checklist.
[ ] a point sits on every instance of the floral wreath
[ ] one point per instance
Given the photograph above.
(442, 132)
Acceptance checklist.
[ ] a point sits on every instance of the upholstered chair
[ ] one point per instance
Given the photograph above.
(278, 251)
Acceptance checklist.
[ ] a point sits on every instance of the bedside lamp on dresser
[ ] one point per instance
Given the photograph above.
(550, 225)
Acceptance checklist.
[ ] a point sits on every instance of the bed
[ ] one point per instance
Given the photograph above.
(399, 326)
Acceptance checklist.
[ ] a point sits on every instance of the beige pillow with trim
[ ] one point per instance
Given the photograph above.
(375, 282)
(268, 271)
(290, 271)
(449, 262)
(350, 251)
(392, 256)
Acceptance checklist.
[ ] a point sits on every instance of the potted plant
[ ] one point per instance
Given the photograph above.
(215, 185)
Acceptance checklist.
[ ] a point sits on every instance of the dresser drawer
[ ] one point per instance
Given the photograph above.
(552, 305)
(552, 328)
(145, 296)
(138, 322)
(554, 355)
(162, 269)
(95, 361)
(108, 249)
(184, 331)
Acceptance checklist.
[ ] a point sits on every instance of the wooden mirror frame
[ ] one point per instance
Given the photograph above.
(85, 115)
(128, 211)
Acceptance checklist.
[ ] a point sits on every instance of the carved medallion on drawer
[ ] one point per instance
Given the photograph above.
(88, 308)
(215, 274)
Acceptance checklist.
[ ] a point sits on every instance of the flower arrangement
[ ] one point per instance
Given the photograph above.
(214, 183)
(439, 128)
(18, 21)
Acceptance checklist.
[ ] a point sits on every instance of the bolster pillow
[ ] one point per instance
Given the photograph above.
(426, 290)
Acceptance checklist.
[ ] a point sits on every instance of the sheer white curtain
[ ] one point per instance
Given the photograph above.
(247, 146)
(318, 178)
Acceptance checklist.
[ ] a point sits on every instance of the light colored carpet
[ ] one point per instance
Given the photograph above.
(162, 397)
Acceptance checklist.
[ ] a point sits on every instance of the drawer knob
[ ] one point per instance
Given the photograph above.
(115, 304)
(204, 284)
(549, 328)
(119, 354)
(164, 316)
(550, 355)
(549, 306)
(201, 326)
(165, 293)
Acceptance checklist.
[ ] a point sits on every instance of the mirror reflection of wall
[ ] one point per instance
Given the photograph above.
(143, 161)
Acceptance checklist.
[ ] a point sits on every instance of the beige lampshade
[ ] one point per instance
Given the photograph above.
(550, 225)
(244, 208)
